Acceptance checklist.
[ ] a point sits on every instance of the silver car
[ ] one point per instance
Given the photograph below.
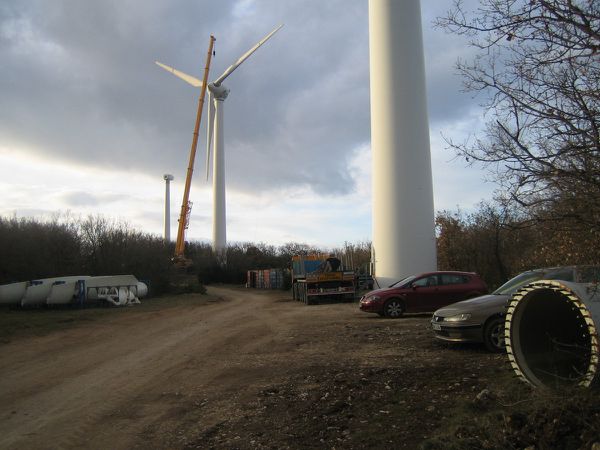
(481, 319)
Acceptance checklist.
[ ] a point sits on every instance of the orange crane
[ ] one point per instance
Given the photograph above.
(186, 206)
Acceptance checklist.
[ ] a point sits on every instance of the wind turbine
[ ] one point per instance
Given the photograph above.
(217, 93)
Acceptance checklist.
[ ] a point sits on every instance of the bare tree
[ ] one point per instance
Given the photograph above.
(538, 68)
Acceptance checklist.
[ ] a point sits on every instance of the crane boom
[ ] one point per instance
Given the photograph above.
(185, 203)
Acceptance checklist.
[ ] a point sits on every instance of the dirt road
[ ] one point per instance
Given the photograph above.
(235, 369)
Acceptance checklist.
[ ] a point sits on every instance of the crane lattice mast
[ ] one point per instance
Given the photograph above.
(186, 205)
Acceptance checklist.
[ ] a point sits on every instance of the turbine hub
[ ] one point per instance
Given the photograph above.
(219, 92)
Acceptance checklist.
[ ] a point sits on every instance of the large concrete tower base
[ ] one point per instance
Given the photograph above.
(403, 214)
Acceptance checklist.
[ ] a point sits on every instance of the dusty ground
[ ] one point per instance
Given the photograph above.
(254, 369)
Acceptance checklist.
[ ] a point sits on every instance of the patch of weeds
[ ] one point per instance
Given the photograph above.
(17, 323)
(513, 415)
(38, 322)
(190, 287)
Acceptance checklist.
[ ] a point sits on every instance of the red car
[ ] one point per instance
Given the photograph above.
(423, 293)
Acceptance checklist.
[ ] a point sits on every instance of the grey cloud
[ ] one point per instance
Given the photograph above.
(76, 199)
(80, 85)
(80, 198)
(447, 102)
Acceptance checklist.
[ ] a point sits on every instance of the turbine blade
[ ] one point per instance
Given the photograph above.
(244, 57)
(184, 76)
(209, 131)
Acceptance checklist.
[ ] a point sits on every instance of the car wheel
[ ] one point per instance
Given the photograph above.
(493, 335)
(393, 308)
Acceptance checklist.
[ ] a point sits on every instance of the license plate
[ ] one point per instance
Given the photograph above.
(436, 327)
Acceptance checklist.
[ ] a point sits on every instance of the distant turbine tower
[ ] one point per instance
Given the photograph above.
(403, 214)
(168, 178)
(217, 93)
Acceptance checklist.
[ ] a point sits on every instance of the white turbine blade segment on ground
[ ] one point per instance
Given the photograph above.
(184, 76)
(209, 131)
(244, 57)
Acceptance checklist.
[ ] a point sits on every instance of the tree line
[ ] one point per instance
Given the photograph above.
(96, 245)
(491, 241)
(498, 244)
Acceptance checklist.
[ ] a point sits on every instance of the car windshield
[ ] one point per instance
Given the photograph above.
(402, 281)
(515, 283)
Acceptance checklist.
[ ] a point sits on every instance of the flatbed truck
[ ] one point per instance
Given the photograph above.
(311, 283)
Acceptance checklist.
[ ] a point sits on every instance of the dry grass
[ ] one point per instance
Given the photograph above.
(16, 323)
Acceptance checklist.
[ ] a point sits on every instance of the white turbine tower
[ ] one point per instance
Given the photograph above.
(168, 178)
(403, 215)
(217, 93)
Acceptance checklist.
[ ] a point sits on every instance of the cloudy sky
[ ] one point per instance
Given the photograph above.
(89, 124)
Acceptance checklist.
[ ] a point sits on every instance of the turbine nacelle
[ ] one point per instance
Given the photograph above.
(219, 92)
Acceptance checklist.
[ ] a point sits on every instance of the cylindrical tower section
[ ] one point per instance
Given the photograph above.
(551, 333)
(403, 215)
(168, 178)
(219, 211)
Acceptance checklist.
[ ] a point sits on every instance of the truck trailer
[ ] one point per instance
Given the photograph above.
(319, 276)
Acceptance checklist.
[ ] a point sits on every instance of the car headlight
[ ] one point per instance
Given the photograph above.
(458, 318)
(372, 298)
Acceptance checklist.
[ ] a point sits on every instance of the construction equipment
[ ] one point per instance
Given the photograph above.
(313, 279)
(186, 206)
